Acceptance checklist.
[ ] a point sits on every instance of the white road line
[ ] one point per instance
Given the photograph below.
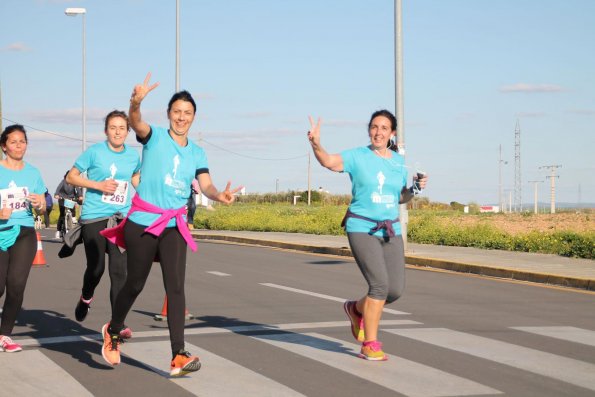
(317, 295)
(215, 273)
(398, 374)
(568, 370)
(218, 377)
(31, 373)
(572, 334)
(210, 330)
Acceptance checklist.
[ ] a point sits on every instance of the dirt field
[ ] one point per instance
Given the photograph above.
(521, 224)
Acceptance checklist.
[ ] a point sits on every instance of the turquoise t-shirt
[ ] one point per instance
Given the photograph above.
(15, 185)
(376, 188)
(167, 172)
(100, 162)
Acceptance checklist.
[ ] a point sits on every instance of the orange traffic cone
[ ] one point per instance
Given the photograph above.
(39, 259)
(163, 315)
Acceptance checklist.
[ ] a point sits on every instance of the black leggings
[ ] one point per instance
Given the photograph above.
(96, 246)
(15, 265)
(142, 248)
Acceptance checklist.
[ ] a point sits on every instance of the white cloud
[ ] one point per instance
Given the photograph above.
(530, 114)
(73, 115)
(531, 88)
(16, 47)
(254, 115)
(583, 112)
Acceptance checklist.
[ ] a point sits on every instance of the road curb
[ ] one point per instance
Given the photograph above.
(503, 272)
(462, 267)
(276, 244)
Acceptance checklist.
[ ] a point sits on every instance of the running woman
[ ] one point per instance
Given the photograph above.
(111, 167)
(21, 190)
(379, 177)
(156, 223)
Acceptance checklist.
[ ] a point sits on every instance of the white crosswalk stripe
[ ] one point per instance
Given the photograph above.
(571, 334)
(31, 373)
(218, 377)
(403, 376)
(568, 370)
(322, 296)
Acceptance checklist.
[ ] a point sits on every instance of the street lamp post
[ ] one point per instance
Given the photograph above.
(72, 12)
(399, 107)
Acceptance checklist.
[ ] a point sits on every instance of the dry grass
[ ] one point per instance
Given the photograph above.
(515, 224)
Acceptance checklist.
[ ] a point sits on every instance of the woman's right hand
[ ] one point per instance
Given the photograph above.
(140, 91)
(314, 133)
(5, 212)
(108, 186)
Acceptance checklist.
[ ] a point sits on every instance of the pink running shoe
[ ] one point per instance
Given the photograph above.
(126, 333)
(372, 351)
(8, 345)
(357, 321)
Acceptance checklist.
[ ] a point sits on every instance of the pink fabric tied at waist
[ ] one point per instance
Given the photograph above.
(115, 235)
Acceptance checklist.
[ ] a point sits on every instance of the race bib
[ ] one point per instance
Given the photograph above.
(15, 198)
(120, 195)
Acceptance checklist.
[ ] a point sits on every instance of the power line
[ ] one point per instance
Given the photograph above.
(253, 157)
(44, 131)
(201, 141)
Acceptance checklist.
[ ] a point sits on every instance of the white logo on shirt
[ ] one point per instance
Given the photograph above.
(113, 169)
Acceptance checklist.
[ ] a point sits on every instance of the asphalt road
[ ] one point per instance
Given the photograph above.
(270, 323)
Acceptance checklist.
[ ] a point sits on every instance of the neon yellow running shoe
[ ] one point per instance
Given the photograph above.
(357, 321)
(372, 351)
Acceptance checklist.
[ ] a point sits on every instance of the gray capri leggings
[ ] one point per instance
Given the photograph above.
(382, 262)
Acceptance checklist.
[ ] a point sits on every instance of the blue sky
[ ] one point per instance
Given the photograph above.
(257, 69)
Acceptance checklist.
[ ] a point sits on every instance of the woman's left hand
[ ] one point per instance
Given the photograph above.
(37, 200)
(227, 196)
(421, 181)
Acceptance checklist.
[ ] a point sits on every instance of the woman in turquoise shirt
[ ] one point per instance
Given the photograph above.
(21, 190)
(379, 184)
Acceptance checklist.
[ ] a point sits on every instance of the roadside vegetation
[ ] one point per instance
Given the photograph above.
(565, 233)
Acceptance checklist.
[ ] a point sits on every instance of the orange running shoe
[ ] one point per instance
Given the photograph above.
(111, 346)
(184, 363)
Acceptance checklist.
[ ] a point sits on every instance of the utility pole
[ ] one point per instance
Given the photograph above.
(309, 190)
(518, 196)
(535, 194)
(177, 45)
(552, 177)
(500, 161)
(277, 186)
(399, 107)
(1, 129)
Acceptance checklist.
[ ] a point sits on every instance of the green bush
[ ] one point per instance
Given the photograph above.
(425, 226)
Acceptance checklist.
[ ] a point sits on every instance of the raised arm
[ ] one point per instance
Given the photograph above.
(140, 91)
(333, 162)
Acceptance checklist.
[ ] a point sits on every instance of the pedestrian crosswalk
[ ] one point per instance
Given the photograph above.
(403, 376)
(31, 372)
(542, 363)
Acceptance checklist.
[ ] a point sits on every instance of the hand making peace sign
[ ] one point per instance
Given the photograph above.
(140, 91)
(314, 133)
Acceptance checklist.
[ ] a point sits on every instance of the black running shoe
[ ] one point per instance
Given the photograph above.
(81, 310)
